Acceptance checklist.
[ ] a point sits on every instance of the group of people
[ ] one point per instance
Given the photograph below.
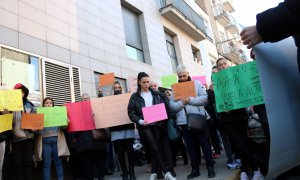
(88, 151)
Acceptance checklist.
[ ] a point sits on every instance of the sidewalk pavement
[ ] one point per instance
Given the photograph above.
(222, 173)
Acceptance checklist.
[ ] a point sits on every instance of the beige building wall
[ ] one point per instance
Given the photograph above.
(90, 34)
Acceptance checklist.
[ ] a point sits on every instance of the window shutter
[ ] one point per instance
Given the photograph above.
(76, 82)
(57, 83)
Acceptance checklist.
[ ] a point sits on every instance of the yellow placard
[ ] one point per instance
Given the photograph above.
(6, 122)
(11, 100)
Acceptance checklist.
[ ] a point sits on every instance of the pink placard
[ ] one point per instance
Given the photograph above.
(80, 116)
(202, 79)
(155, 113)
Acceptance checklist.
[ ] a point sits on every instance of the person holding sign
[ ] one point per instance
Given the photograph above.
(235, 123)
(91, 150)
(3, 138)
(153, 132)
(193, 139)
(22, 140)
(166, 143)
(122, 138)
(51, 144)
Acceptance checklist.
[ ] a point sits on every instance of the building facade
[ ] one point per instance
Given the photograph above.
(59, 48)
(225, 30)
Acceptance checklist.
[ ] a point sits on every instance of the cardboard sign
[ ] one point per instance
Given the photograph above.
(81, 116)
(201, 79)
(6, 122)
(184, 89)
(237, 87)
(11, 100)
(132, 83)
(111, 111)
(106, 79)
(32, 121)
(168, 81)
(155, 113)
(54, 116)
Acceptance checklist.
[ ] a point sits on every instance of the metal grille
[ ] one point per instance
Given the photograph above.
(57, 81)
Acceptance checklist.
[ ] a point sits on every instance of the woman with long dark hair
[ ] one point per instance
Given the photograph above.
(152, 132)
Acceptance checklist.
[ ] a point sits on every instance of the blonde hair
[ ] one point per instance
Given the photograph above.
(113, 87)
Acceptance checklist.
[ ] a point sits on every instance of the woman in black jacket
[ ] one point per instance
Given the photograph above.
(152, 132)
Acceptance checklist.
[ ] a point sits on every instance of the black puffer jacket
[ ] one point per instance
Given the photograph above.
(136, 103)
(3, 136)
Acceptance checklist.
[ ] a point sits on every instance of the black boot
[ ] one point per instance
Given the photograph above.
(195, 173)
(211, 172)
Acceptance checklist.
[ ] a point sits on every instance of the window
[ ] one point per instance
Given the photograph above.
(21, 67)
(60, 81)
(133, 38)
(196, 55)
(171, 51)
(107, 90)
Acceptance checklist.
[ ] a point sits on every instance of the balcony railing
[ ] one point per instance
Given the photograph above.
(187, 13)
(232, 26)
(221, 14)
(228, 5)
(231, 51)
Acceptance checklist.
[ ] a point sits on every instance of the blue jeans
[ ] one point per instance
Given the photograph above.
(49, 152)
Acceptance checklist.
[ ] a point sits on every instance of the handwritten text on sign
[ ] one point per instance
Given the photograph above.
(6, 122)
(237, 87)
(111, 111)
(54, 116)
(32, 121)
(11, 100)
(155, 113)
(81, 116)
(184, 89)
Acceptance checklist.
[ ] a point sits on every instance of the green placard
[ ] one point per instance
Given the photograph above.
(169, 80)
(237, 87)
(54, 116)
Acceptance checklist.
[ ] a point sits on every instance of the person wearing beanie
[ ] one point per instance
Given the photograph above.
(22, 140)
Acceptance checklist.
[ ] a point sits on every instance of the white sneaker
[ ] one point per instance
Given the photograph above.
(257, 175)
(244, 176)
(168, 176)
(152, 176)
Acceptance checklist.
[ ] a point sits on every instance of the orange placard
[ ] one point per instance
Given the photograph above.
(184, 89)
(106, 79)
(32, 121)
(111, 111)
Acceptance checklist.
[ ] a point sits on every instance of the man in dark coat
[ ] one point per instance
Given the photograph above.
(274, 25)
